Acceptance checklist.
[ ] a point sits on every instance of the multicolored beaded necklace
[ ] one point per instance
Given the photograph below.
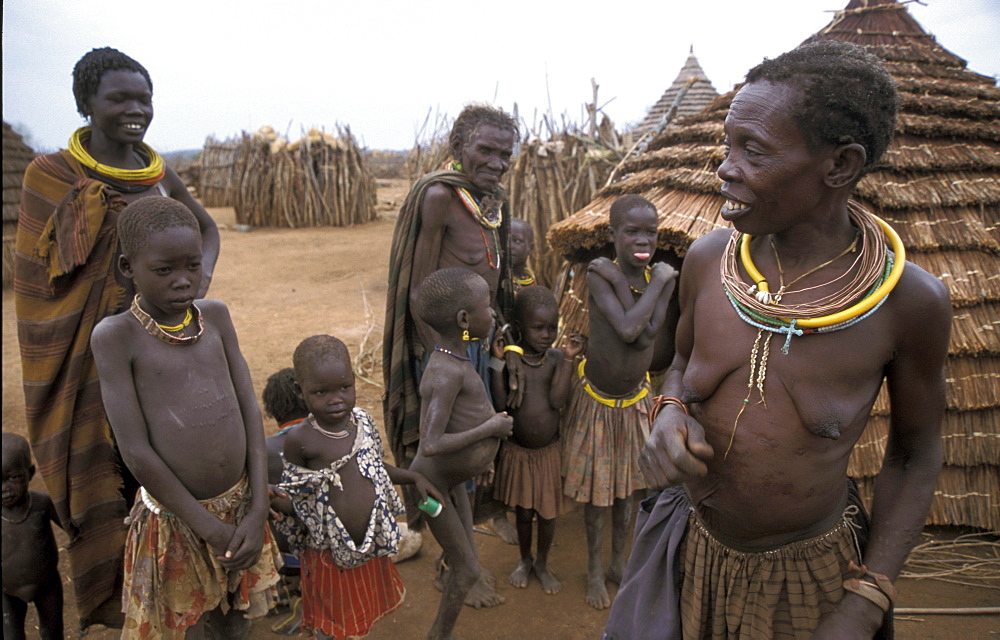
(489, 219)
(646, 272)
(879, 271)
(527, 281)
(159, 331)
(452, 354)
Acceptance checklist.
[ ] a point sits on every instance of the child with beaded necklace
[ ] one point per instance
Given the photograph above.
(459, 430)
(606, 420)
(342, 495)
(180, 401)
(529, 467)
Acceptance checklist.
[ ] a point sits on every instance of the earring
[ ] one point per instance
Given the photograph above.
(458, 166)
(465, 335)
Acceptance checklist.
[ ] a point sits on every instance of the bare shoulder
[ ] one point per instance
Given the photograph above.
(442, 375)
(708, 247)
(214, 311)
(921, 301)
(113, 333)
(437, 199)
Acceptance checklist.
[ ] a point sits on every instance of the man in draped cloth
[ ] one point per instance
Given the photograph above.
(65, 282)
(457, 217)
(760, 532)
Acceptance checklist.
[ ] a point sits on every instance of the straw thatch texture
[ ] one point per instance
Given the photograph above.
(320, 180)
(16, 158)
(214, 175)
(552, 179)
(690, 92)
(939, 188)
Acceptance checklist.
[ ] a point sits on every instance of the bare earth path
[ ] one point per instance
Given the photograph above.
(284, 285)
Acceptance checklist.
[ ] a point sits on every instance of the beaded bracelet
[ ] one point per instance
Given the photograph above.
(514, 348)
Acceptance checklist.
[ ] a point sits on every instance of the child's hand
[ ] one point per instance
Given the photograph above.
(663, 270)
(501, 424)
(220, 536)
(499, 342)
(575, 345)
(281, 505)
(603, 267)
(485, 478)
(425, 488)
(245, 546)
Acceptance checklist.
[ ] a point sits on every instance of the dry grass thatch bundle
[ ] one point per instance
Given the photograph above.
(551, 179)
(938, 187)
(16, 157)
(319, 180)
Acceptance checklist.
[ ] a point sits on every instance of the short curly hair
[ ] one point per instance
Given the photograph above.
(281, 399)
(531, 299)
(847, 95)
(444, 293)
(474, 116)
(147, 216)
(316, 349)
(91, 68)
(626, 203)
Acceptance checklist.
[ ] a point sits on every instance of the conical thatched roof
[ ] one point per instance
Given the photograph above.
(16, 158)
(940, 189)
(695, 90)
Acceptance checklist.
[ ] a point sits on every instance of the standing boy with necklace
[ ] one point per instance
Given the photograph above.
(179, 398)
(607, 420)
(459, 430)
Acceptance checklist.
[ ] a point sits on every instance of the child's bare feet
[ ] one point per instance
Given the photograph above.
(615, 572)
(597, 593)
(504, 529)
(519, 576)
(550, 583)
(483, 594)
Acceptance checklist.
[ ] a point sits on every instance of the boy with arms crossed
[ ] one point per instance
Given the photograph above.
(178, 394)
(30, 555)
(607, 420)
(529, 476)
(459, 430)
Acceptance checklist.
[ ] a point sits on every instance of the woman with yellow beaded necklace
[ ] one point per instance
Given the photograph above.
(788, 327)
(66, 281)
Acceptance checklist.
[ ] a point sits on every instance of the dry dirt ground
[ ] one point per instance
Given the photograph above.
(284, 285)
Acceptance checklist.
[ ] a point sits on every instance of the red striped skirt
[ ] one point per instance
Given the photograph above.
(344, 603)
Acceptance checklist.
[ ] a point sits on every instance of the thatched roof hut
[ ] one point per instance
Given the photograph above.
(939, 188)
(691, 90)
(319, 180)
(16, 158)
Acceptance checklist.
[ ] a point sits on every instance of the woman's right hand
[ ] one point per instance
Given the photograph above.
(675, 451)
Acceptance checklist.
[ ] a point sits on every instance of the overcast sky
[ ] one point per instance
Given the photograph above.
(380, 67)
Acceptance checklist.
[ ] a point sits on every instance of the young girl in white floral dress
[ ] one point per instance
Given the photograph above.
(342, 493)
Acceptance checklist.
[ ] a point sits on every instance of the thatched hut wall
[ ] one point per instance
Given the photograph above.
(214, 175)
(16, 157)
(551, 179)
(939, 188)
(319, 180)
